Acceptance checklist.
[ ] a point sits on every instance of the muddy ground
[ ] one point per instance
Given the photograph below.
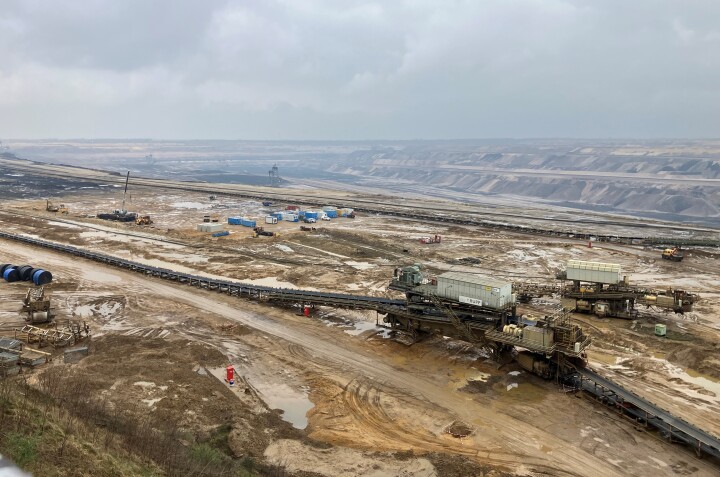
(351, 398)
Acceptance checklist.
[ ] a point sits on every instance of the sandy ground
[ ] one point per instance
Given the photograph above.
(344, 383)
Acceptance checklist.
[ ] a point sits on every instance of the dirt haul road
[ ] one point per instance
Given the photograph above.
(501, 440)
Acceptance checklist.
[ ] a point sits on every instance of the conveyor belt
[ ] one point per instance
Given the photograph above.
(674, 428)
(286, 295)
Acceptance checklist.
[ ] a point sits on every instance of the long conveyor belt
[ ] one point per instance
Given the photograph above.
(673, 428)
(286, 295)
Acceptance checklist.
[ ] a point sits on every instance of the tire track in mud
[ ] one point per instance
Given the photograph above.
(363, 399)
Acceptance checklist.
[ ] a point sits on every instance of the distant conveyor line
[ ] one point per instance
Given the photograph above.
(380, 207)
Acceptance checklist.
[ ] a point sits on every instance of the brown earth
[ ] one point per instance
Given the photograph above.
(371, 398)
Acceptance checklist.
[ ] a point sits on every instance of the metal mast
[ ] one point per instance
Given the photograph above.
(274, 175)
(127, 178)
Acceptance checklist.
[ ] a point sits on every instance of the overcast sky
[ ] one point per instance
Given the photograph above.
(337, 69)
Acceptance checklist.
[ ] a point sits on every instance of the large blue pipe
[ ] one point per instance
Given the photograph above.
(11, 275)
(41, 277)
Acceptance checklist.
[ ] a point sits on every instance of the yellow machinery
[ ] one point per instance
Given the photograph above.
(50, 207)
(674, 254)
(143, 220)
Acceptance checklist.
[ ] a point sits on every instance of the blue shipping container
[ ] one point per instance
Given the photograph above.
(311, 215)
(331, 213)
(248, 223)
(221, 234)
(235, 220)
(278, 215)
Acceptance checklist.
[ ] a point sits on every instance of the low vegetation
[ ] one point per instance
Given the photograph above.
(51, 429)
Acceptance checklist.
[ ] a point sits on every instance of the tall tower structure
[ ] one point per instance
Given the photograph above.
(274, 175)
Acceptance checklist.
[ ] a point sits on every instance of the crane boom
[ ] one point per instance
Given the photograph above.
(127, 178)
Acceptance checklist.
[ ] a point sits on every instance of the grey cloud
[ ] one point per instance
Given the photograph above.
(342, 69)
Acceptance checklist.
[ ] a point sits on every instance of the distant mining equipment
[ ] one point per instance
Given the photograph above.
(673, 254)
(274, 176)
(143, 220)
(121, 214)
(601, 289)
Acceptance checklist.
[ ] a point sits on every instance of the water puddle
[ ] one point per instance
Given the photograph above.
(356, 328)
(695, 378)
(360, 265)
(360, 327)
(293, 402)
(191, 205)
(697, 374)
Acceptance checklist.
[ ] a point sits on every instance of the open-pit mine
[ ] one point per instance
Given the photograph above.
(191, 327)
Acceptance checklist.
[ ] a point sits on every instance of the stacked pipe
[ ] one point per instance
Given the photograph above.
(25, 273)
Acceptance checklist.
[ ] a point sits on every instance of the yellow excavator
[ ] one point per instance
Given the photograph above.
(674, 254)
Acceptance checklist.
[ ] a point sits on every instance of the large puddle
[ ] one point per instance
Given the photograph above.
(294, 403)
(695, 378)
(360, 327)
(686, 380)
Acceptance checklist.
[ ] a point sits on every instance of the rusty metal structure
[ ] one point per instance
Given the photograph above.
(67, 335)
(37, 306)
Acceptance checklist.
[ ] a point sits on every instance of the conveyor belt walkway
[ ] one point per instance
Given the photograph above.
(286, 295)
(673, 428)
